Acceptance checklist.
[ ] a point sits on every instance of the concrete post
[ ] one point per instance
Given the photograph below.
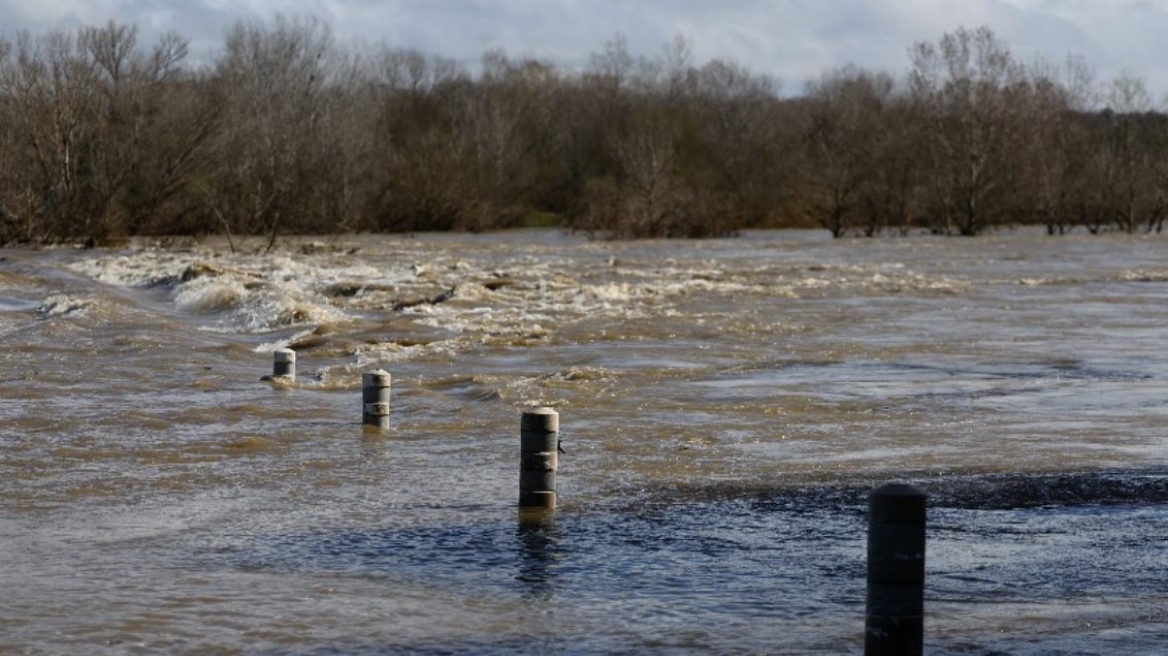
(375, 389)
(896, 571)
(284, 363)
(539, 438)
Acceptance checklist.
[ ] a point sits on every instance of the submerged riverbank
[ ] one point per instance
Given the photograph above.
(725, 407)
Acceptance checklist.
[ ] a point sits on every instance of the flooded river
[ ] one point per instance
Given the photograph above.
(725, 407)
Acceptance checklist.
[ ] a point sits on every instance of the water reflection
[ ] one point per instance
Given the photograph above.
(540, 554)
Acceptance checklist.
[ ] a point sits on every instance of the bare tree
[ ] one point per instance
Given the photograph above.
(155, 123)
(845, 109)
(1050, 153)
(612, 67)
(52, 98)
(510, 118)
(1130, 197)
(964, 86)
(735, 124)
(423, 163)
(640, 199)
(272, 148)
(285, 131)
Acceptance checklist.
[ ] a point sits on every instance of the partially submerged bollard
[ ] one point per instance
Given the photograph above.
(896, 571)
(539, 440)
(375, 388)
(284, 363)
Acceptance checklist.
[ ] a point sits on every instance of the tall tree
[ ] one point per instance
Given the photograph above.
(53, 102)
(153, 127)
(422, 164)
(845, 112)
(965, 85)
(1129, 134)
(272, 150)
(736, 127)
(1055, 148)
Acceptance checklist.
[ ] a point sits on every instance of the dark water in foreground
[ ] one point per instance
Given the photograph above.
(726, 406)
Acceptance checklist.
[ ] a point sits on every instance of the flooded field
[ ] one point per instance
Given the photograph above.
(725, 406)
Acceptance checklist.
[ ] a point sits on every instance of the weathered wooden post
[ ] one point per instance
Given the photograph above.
(539, 440)
(284, 363)
(375, 387)
(896, 571)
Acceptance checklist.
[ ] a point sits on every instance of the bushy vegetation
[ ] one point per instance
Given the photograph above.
(286, 131)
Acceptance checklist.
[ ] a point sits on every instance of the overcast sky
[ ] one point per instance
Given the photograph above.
(793, 40)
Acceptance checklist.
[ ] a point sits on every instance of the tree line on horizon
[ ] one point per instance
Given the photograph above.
(285, 131)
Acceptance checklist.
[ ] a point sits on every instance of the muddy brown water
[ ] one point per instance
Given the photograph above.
(725, 405)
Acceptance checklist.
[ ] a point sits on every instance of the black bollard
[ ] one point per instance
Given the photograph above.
(284, 363)
(896, 571)
(539, 437)
(375, 389)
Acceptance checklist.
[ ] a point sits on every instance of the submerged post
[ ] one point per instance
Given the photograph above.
(539, 440)
(896, 571)
(284, 363)
(375, 389)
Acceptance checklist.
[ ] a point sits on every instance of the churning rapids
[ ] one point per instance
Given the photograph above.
(725, 405)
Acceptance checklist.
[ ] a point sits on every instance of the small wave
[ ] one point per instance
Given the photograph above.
(992, 491)
(141, 269)
(1021, 490)
(611, 292)
(60, 304)
(1144, 276)
(257, 309)
(274, 309)
(480, 299)
(383, 353)
(1136, 275)
(249, 294)
(210, 295)
(8, 304)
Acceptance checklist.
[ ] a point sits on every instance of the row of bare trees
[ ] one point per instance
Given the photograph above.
(972, 140)
(286, 131)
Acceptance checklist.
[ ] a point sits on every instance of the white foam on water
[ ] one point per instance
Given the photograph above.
(138, 269)
(269, 347)
(61, 304)
(389, 352)
(245, 293)
(277, 306)
(208, 294)
(474, 298)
